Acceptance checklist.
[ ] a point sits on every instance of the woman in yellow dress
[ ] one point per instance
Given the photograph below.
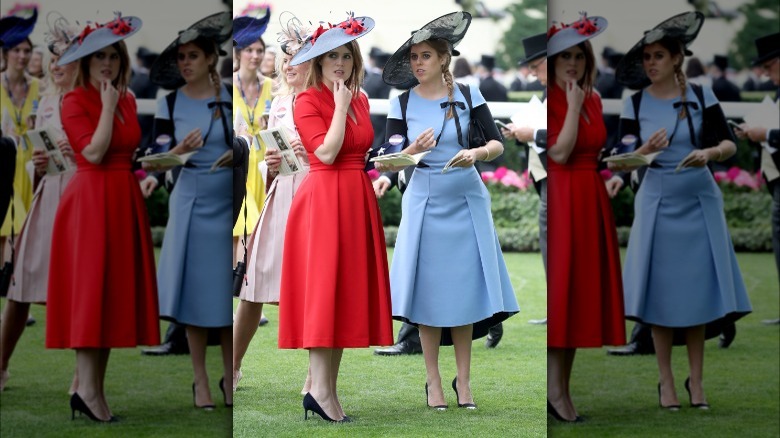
(251, 99)
(18, 101)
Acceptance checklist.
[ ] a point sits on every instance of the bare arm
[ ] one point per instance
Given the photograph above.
(561, 150)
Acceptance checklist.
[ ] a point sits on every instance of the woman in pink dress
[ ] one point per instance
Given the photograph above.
(266, 243)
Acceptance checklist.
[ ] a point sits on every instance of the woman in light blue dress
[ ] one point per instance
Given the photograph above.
(680, 269)
(448, 275)
(195, 271)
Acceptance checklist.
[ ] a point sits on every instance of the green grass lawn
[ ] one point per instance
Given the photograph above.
(152, 396)
(618, 395)
(385, 395)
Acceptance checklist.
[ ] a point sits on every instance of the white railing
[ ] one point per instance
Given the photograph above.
(503, 110)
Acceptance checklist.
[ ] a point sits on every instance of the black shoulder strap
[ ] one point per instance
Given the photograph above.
(464, 89)
(403, 99)
(170, 99)
(699, 92)
(636, 99)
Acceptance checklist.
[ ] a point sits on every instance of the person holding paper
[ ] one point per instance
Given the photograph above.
(448, 275)
(195, 271)
(584, 288)
(102, 292)
(31, 262)
(266, 244)
(768, 48)
(335, 288)
(680, 268)
(18, 98)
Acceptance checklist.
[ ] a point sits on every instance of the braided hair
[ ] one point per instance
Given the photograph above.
(442, 48)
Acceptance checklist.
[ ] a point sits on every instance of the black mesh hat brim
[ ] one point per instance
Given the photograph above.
(684, 27)
(451, 27)
(165, 71)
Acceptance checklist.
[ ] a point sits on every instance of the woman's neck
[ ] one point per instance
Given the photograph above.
(328, 84)
(433, 88)
(248, 76)
(15, 77)
(199, 89)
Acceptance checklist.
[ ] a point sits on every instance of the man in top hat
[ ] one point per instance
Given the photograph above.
(724, 89)
(491, 89)
(609, 88)
(536, 59)
(376, 88)
(768, 48)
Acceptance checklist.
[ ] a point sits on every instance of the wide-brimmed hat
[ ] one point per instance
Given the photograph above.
(535, 47)
(217, 27)
(451, 27)
(15, 29)
(683, 27)
(97, 36)
(324, 40)
(247, 29)
(563, 36)
(768, 47)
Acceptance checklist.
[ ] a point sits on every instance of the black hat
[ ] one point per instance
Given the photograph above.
(381, 59)
(451, 27)
(535, 47)
(487, 61)
(374, 52)
(165, 71)
(607, 52)
(768, 47)
(722, 62)
(683, 27)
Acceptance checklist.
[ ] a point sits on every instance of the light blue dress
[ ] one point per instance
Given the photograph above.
(680, 268)
(447, 269)
(194, 276)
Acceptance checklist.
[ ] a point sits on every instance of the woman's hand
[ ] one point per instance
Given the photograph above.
(613, 186)
(66, 150)
(697, 158)
(657, 142)
(191, 141)
(380, 186)
(342, 96)
(574, 95)
(381, 167)
(425, 141)
(109, 96)
(40, 162)
(299, 150)
(148, 185)
(273, 158)
(465, 158)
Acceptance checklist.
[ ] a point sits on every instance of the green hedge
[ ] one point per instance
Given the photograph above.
(515, 215)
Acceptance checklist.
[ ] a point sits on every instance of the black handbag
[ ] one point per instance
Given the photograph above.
(239, 272)
(477, 134)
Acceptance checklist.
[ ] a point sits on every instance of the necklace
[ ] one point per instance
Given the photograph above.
(17, 109)
(250, 108)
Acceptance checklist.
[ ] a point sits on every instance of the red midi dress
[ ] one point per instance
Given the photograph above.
(102, 283)
(584, 285)
(335, 286)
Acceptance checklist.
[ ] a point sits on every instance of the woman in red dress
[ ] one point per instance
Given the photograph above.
(584, 289)
(335, 287)
(102, 283)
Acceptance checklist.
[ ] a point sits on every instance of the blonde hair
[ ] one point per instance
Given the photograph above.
(314, 76)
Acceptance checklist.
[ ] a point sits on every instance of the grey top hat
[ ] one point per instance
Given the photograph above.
(324, 40)
(683, 27)
(451, 27)
(97, 36)
(562, 36)
(165, 71)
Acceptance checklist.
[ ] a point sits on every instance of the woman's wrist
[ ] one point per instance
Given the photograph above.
(487, 153)
(719, 152)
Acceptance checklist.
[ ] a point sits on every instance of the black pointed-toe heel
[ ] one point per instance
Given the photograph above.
(78, 404)
(437, 407)
(461, 405)
(224, 396)
(703, 406)
(311, 405)
(551, 410)
(194, 403)
(672, 408)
